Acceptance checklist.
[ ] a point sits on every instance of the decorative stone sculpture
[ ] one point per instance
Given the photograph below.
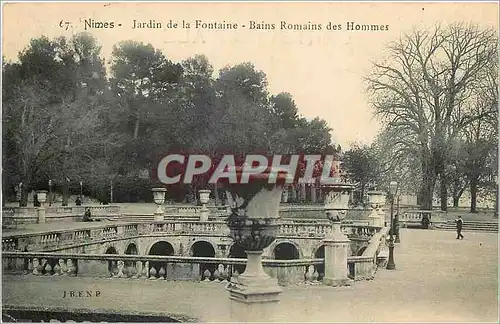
(336, 242)
(42, 198)
(376, 199)
(204, 199)
(253, 225)
(159, 199)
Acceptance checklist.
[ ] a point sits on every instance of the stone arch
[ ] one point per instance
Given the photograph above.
(236, 251)
(273, 246)
(132, 249)
(319, 253)
(286, 251)
(160, 248)
(110, 249)
(203, 248)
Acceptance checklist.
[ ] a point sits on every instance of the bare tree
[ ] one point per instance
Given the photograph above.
(422, 91)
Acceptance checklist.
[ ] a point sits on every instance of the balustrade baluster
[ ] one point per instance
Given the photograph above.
(30, 266)
(120, 266)
(64, 267)
(57, 269)
(36, 264)
(309, 274)
(48, 269)
(162, 273)
(145, 270)
(71, 268)
(315, 275)
(152, 273)
(206, 275)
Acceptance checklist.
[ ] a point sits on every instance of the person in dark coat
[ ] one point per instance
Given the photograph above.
(87, 217)
(459, 223)
(78, 201)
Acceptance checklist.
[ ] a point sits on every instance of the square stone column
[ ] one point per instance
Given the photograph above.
(254, 294)
(336, 252)
(41, 213)
(313, 193)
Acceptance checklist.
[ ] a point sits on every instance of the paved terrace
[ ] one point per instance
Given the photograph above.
(438, 279)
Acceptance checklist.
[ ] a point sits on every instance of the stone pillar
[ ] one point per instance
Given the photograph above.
(284, 196)
(336, 242)
(336, 252)
(204, 199)
(41, 212)
(302, 192)
(159, 199)
(254, 294)
(313, 193)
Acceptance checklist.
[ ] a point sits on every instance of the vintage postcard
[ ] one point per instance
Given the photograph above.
(250, 161)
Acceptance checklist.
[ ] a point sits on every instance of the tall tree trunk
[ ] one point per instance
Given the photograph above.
(495, 213)
(455, 201)
(24, 194)
(444, 192)
(473, 194)
(361, 199)
(427, 186)
(65, 188)
(136, 128)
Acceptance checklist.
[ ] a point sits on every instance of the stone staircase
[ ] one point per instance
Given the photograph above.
(483, 226)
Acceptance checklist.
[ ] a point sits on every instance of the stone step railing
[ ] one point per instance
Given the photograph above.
(363, 267)
(206, 269)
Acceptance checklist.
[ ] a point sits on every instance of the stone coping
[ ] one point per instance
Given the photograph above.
(171, 258)
(58, 309)
(82, 226)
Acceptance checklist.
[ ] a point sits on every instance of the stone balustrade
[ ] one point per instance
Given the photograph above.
(213, 270)
(413, 218)
(360, 231)
(11, 216)
(57, 240)
(363, 267)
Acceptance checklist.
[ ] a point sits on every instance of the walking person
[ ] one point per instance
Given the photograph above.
(459, 223)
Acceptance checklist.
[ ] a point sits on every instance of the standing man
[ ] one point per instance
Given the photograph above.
(459, 223)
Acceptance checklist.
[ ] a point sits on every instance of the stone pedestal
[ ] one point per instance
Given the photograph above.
(159, 216)
(284, 196)
(336, 252)
(204, 199)
(313, 194)
(204, 214)
(253, 225)
(253, 294)
(41, 213)
(302, 192)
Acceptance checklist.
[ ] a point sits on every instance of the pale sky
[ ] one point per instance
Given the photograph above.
(323, 70)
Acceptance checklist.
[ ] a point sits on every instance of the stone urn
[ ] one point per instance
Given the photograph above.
(204, 199)
(337, 201)
(376, 200)
(159, 199)
(42, 196)
(253, 225)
